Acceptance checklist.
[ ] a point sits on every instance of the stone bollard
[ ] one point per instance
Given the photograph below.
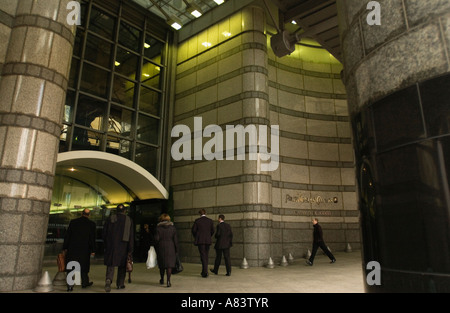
(45, 284)
(290, 258)
(284, 261)
(308, 254)
(244, 264)
(348, 248)
(270, 264)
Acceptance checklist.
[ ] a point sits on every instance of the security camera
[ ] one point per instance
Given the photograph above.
(283, 43)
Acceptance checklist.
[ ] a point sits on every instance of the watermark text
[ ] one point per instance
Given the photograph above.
(74, 16)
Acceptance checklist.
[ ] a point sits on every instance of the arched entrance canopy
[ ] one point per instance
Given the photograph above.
(134, 177)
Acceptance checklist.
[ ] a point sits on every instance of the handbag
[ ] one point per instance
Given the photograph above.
(152, 261)
(178, 266)
(129, 264)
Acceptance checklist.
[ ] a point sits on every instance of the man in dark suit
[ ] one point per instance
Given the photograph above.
(318, 242)
(202, 230)
(224, 241)
(79, 245)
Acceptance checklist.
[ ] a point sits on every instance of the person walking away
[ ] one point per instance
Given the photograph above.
(79, 245)
(318, 242)
(146, 241)
(118, 238)
(167, 247)
(202, 230)
(224, 241)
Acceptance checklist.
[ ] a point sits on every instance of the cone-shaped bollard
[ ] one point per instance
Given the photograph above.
(348, 248)
(244, 264)
(308, 254)
(270, 264)
(60, 279)
(290, 258)
(284, 261)
(45, 284)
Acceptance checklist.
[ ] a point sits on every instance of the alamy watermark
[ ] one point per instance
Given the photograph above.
(74, 16)
(374, 16)
(374, 276)
(74, 276)
(191, 144)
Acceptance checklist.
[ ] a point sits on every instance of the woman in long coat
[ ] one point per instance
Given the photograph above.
(167, 247)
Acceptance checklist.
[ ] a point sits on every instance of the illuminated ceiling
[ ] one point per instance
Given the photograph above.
(314, 19)
(168, 8)
(104, 177)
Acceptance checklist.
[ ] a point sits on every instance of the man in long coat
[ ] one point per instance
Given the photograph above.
(79, 245)
(118, 238)
(202, 230)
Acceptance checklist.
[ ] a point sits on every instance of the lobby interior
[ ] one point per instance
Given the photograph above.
(359, 91)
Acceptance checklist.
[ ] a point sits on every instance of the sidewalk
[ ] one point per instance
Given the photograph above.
(345, 276)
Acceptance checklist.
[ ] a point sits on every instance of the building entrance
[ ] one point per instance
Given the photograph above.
(100, 181)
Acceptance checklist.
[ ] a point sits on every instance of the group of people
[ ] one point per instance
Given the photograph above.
(118, 238)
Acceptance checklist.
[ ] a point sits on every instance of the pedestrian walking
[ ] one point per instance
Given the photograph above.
(224, 241)
(167, 247)
(79, 245)
(118, 238)
(318, 242)
(202, 230)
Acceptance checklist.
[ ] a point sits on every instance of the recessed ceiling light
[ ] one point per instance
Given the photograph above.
(194, 10)
(175, 22)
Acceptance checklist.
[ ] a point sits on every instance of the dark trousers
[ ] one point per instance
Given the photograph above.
(84, 278)
(226, 255)
(121, 273)
(321, 245)
(204, 252)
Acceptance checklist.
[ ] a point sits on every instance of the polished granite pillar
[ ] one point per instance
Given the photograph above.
(225, 83)
(398, 84)
(32, 94)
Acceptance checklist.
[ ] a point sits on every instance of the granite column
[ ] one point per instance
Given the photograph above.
(32, 96)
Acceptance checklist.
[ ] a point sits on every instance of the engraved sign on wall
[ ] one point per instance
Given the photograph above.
(318, 200)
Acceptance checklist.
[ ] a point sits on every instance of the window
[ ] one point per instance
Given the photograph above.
(116, 85)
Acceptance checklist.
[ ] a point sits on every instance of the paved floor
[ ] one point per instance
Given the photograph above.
(344, 276)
